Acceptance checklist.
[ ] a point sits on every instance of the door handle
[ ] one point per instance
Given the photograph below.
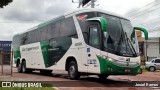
(85, 64)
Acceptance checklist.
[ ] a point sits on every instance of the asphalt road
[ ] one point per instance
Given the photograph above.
(61, 81)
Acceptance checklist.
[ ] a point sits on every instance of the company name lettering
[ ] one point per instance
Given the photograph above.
(5, 45)
(30, 48)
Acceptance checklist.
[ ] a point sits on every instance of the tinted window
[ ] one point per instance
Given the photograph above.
(115, 39)
(16, 41)
(38, 35)
(53, 30)
(82, 17)
(157, 61)
(94, 37)
(43, 33)
(113, 27)
(24, 38)
(31, 37)
(68, 28)
(113, 34)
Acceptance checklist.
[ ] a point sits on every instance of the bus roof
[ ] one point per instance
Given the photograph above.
(72, 14)
(92, 10)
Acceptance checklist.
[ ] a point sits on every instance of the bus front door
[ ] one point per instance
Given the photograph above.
(93, 50)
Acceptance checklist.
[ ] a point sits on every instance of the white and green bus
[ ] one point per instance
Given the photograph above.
(87, 41)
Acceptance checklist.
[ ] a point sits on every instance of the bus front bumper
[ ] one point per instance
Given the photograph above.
(109, 68)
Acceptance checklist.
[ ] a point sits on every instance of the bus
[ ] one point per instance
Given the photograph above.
(82, 42)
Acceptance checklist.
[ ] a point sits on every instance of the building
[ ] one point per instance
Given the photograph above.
(152, 48)
(5, 51)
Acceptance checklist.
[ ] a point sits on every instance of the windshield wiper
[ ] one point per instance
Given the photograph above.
(130, 44)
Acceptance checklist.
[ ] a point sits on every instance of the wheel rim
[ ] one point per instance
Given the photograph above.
(152, 69)
(23, 68)
(72, 71)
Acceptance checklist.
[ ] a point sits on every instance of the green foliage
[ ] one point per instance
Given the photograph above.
(144, 69)
(4, 3)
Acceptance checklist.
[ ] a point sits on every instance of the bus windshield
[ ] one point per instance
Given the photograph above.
(120, 39)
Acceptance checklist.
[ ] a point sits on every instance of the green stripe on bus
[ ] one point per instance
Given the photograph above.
(44, 48)
(17, 54)
(116, 69)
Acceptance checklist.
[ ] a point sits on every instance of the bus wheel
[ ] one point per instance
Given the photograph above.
(19, 67)
(102, 77)
(24, 67)
(73, 71)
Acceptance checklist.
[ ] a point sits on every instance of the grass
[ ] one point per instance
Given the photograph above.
(18, 88)
(144, 69)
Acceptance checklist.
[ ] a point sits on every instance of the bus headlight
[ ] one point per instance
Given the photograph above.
(110, 59)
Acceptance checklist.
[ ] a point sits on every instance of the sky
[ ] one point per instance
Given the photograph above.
(21, 15)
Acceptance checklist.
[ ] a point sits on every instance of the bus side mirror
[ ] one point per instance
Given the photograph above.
(102, 21)
(143, 30)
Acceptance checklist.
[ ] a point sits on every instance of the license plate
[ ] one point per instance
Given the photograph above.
(127, 70)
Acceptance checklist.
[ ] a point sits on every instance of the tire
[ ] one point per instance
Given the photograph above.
(102, 77)
(73, 71)
(19, 67)
(152, 69)
(24, 69)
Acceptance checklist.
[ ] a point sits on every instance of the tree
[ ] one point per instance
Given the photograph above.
(4, 3)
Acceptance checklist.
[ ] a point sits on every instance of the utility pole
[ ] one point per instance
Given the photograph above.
(92, 3)
(85, 2)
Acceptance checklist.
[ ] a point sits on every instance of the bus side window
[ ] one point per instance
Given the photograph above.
(37, 34)
(68, 28)
(54, 30)
(24, 39)
(94, 37)
(31, 37)
(43, 33)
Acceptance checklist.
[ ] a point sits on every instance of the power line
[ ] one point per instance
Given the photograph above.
(145, 9)
(141, 8)
(144, 12)
(135, 14)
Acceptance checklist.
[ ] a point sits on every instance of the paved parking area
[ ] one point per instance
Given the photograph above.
(60, 80)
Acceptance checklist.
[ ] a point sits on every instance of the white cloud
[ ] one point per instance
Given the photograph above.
(42, 10)
(10, 29)
(122, 6)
